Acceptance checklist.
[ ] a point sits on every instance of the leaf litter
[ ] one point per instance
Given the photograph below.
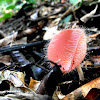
(26, 72)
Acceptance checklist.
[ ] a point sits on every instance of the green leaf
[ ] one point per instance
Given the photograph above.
(2, 1)
(10, 7)
(31, 1)
(6, 16)
(8, 1)
(65, 20)
(1, 19)
(75, 1)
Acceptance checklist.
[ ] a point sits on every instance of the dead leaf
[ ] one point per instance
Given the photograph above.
(83, 90)
(86, 17)
(34, 16)
(8, 39)
(17, 80)
(20, 75)
(5, 59)
(93, 94)
(34, 84)
(50, 33)
(8, 75)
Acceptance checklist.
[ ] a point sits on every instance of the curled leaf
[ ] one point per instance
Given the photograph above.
(86, 17)
(34, 84)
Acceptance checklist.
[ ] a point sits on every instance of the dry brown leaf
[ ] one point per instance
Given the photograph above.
(5, 59)
(34, 84)
(83, 90)
(8, 39)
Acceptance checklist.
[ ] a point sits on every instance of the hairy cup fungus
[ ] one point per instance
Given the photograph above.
(68, 48)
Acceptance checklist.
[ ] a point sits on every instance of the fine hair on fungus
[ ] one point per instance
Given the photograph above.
(68, 48)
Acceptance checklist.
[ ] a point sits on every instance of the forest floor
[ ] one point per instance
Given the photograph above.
(25, 71)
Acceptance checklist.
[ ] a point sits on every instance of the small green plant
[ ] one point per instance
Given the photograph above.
(9, 7)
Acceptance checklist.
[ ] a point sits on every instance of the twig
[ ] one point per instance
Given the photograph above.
(21, 46)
